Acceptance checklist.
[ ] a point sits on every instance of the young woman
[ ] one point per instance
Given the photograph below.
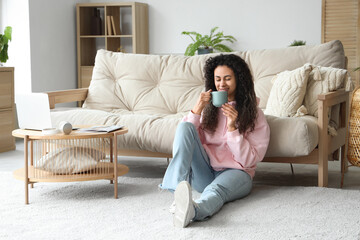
(216, 150)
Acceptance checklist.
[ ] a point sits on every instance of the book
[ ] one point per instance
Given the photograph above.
(108, 24)
(102, 128)
(113, 25)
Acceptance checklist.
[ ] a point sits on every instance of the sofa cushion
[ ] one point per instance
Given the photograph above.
(265, 64)
(153, 132)
(288, 91)
(290, 137)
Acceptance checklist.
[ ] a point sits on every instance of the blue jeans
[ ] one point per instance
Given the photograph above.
(191, 163)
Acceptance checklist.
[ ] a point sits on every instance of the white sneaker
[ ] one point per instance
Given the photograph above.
(184, 205)
(172, 207)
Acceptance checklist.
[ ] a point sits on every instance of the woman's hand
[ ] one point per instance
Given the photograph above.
(203, 100)
(230, 112)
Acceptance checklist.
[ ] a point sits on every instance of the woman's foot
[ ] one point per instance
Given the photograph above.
(184, 205)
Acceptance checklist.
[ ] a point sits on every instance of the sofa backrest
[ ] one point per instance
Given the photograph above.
(265, 64)
(151, 84)
(170, 84)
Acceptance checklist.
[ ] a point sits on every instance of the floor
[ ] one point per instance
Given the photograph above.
(266, 173)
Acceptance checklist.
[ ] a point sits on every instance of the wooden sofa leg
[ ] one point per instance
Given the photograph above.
(323, 168)
(323, 171)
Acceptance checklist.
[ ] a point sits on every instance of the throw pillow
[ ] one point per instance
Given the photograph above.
(324, 80)
(287, 93)
(70, 160)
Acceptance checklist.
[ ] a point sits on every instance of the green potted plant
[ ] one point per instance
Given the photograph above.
(208, 43)
(4, 40)
(297, 43)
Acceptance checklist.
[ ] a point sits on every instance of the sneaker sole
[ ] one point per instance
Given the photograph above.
(182, 204)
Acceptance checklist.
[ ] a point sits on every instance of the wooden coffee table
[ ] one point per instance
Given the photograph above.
(81, 143)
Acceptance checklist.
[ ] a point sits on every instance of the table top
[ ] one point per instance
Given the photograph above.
(75, 134)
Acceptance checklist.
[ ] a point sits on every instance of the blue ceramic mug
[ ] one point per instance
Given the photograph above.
(218, 98)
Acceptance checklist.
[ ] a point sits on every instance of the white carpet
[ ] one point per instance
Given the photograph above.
(87, 210)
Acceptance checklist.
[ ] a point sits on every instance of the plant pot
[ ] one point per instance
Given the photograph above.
(204, 51)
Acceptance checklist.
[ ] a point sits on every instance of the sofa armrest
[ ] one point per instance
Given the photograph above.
(65, 96)
(331, 99)
(335, 97)
(327, 143)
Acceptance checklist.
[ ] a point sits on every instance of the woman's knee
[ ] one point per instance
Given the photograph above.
(244, 187)
(235, 184)
(185, 128)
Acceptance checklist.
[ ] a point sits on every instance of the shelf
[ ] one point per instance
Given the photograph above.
(102, 36)
(92, 36)
(7, 109)
(88, 25)
(88, 49)
(123, 28)
(121, 36)
(37, 175)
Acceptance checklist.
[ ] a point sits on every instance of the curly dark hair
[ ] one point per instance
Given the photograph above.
(246, 104)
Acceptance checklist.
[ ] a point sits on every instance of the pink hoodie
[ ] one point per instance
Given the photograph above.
(232, 149)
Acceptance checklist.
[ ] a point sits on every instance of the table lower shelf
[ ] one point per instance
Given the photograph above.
(38, 175)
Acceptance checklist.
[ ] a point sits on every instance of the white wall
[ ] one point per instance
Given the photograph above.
(1, 14)
(19, 47)
(53, 44)
(257, 24)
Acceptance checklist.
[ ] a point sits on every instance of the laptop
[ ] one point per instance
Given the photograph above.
(33, 111)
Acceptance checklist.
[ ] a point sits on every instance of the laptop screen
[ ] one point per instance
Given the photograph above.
(33, 111)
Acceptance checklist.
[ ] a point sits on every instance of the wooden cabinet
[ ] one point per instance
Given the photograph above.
(118, 27)
(7, 109)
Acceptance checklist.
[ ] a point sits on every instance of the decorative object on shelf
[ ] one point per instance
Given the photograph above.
(208, 43)
(297, 43)
(112, 29)
(96, 23)
(108, 24)
(4, 41)
(121, 49)
(113, 24)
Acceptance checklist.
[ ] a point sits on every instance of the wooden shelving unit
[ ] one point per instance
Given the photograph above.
(7, 109)
(131, 35)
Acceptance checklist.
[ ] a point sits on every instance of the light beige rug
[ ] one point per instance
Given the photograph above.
(87, 210)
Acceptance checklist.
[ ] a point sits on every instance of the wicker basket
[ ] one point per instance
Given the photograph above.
(354, 130)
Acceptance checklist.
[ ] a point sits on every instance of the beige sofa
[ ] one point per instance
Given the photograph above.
(150, 94)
